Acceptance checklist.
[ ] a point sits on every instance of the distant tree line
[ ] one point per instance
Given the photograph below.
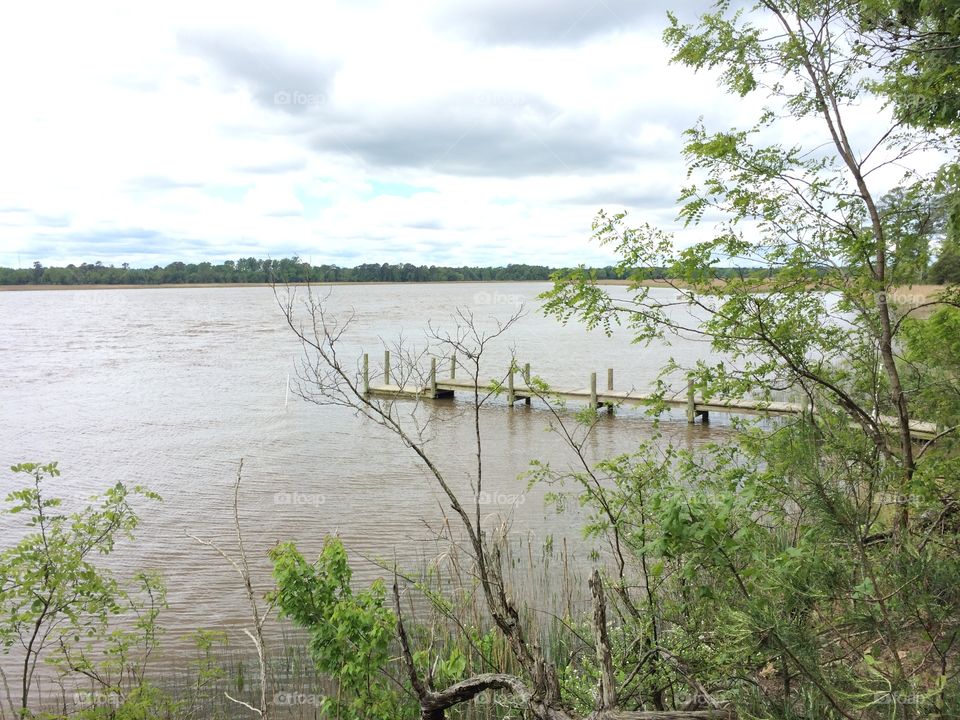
(946, 269)
(253, 270)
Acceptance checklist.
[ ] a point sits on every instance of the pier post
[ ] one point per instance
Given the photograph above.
(386, 367)
(433, 378)
(610, 405)
(526, 380)
(511, 396)
(366, 374)
(453, 366)
(593, 390)
(691, 404)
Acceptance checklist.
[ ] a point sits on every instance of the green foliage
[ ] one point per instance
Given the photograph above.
(946, 269)
(931, 360)
(350, 632)
(919, 40)
(802, 569)
(253, 270)
(53, 596)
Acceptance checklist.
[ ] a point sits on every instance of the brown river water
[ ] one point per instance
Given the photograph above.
(170, 388)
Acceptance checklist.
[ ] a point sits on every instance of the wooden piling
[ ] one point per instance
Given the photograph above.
(446, 388)
(453, 366)
(610, 405)
(526, 380)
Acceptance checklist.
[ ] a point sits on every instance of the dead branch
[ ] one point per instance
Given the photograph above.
(324, 379)
(243, 568)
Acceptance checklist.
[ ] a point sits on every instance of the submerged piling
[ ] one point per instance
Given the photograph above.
(526, 380)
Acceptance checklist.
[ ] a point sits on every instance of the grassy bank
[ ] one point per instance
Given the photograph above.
(903, 294)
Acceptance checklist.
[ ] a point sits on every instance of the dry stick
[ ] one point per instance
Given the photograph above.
(338, 388)
(257, 619)
(501, 607)
(433, 705)
(607, 695)
(6, 687)
(597, 491)
(243, 568)
(324, 343)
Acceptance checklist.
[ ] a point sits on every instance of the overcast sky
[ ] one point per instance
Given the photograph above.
(425, 131)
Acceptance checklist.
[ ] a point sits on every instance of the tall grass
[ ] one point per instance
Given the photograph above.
(443, 609)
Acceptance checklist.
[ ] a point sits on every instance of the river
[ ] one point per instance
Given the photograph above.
(170, 388)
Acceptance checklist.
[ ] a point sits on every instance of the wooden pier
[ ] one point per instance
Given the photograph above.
(516, 389)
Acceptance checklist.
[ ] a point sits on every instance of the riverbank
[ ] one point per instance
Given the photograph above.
(908, 294)
(168, 286)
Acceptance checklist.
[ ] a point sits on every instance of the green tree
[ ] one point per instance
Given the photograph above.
(350, 631)
(917, 43)
(813, 219)
(946, 269)
(51, 590)
(912, 222)
(796, 557)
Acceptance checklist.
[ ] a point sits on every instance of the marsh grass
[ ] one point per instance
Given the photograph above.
(443, 608)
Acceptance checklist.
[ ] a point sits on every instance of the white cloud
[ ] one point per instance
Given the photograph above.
(348, 132)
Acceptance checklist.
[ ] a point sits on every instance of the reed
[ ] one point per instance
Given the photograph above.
(443, 609)
(446, 615)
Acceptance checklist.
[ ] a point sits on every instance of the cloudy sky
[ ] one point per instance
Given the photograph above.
(424, 131)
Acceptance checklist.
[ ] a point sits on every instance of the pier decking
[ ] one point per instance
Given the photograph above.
(516, 389)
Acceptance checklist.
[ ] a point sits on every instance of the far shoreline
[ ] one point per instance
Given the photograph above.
(919, 293)
(168, 286)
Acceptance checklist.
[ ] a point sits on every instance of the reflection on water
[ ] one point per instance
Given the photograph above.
(170, 388)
